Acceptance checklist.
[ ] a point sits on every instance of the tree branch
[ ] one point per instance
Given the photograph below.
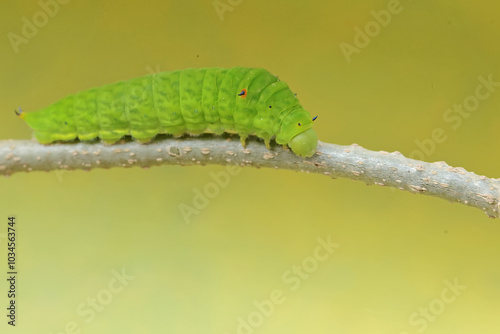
(437, 179)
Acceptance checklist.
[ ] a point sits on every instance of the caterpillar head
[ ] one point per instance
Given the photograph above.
(305, 143)
(297, 126)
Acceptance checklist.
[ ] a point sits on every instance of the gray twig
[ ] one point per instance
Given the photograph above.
(438, 179)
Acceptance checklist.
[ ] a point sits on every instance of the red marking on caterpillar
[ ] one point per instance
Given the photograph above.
(243, 93)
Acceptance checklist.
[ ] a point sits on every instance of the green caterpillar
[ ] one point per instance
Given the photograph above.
(246, 101)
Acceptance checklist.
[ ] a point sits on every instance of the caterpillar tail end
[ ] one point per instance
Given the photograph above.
(19, 112)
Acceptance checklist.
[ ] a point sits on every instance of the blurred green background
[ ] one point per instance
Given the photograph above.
(396, 254)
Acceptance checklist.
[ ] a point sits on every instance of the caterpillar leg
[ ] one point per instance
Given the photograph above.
(88, 136)
(216, 129)
(144, 140)
(109, 141)
(266, 137)
(109, 137)
(43, 138)
(144, 136)
(243, 139)
(194, 134)
(267, 141)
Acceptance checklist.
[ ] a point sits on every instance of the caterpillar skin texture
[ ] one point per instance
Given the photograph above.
(246, 101)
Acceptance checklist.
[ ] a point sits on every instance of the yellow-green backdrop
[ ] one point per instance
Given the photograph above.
(249, 262)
